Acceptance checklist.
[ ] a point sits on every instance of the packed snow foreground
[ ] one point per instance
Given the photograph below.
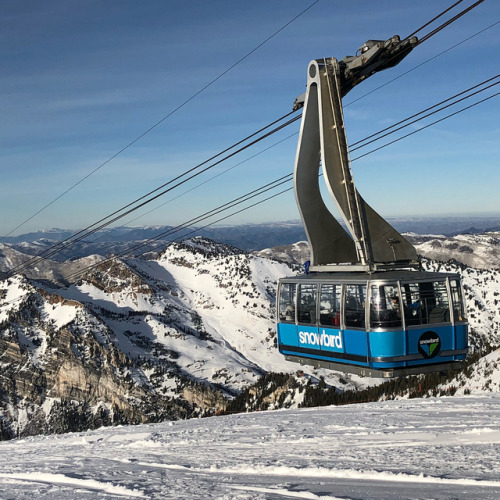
(426, 448)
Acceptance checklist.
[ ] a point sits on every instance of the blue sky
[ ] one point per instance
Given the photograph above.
(82, 79)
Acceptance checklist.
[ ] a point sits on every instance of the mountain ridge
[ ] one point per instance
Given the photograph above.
(175, 336)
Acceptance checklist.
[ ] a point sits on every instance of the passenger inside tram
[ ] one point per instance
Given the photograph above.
(329, 305)
(385, 307)
(355, 306)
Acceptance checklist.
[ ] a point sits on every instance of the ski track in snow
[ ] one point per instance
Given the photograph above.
(429, 448)
(72, 482)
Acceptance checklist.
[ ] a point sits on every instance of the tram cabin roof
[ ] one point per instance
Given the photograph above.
(363, 277)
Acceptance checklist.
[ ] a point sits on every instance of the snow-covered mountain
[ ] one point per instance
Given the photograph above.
(170, 337)
(473, 250)
(249, 237)
(481, 251)
(120, 240)
(44, 269)
(146, 340)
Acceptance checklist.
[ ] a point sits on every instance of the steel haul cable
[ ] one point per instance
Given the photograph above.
(365, 95)
(406, 122)
(380, 134)
(195, 220)
(95, 227)
(254, 193)
(168, 115)
(421, 64)
(89, 230)
(33, 261)
(450, 21)
(433, 19)
(427, 126)
(75, 276)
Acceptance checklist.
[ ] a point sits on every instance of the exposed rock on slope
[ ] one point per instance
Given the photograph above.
(54, 350)
(171, 337)
(167, 338)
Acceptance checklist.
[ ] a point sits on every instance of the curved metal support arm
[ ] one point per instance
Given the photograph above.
(370, 242)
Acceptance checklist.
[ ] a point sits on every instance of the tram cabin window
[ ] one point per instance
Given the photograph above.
(287, 302)
(385, 306)
(412, 304)
(306, 304)
(354, 306)
(425, 303)
(459, 313)
(329, 305)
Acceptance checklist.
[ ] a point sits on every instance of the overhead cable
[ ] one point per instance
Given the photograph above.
(433, 19)
(159, 122)
(447, 23)
(427, 126)
(88, 231)
(56, 249)
(221, 208)
(253, 194)
(408, 121)
(208, 180)
(353, 146)
(287, 178)
(106, 221)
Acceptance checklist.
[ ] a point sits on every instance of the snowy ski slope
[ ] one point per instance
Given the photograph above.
(432, 448)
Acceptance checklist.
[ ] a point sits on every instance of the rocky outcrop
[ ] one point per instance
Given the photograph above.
(114, 276)
(61, 370)
(185, 334)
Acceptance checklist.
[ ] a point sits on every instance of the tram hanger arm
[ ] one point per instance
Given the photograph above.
(372, 56)
(369, 241)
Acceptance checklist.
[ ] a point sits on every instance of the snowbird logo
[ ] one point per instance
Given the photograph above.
(429, 345)
(323, 339)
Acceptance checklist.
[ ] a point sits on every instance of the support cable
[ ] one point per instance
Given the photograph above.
(195, 220)
(75, 276)
(433, 19)
(52, 251)
(450, 21)
(380, 134)
(206, 181)
(89, 230)
(359, 144)
(427, 126)
(61, 245)
(257, 192)
(159, 122)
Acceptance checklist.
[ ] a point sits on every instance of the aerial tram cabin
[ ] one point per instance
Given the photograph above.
(363, 305)
(382, 324)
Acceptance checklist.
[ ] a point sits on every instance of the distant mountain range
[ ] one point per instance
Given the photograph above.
(481, 251)
(248, 237)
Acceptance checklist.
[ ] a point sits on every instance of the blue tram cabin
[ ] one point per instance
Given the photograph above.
(384, 324)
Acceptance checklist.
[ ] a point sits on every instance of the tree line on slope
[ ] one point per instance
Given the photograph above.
(274, 390)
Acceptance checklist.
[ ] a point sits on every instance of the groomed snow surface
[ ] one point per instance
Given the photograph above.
(442, 448)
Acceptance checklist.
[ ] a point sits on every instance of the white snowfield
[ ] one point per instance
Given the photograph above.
(428, 448)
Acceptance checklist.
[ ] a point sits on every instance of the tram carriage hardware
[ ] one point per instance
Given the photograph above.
(384, 324)
(368, 372)
(363, 306)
